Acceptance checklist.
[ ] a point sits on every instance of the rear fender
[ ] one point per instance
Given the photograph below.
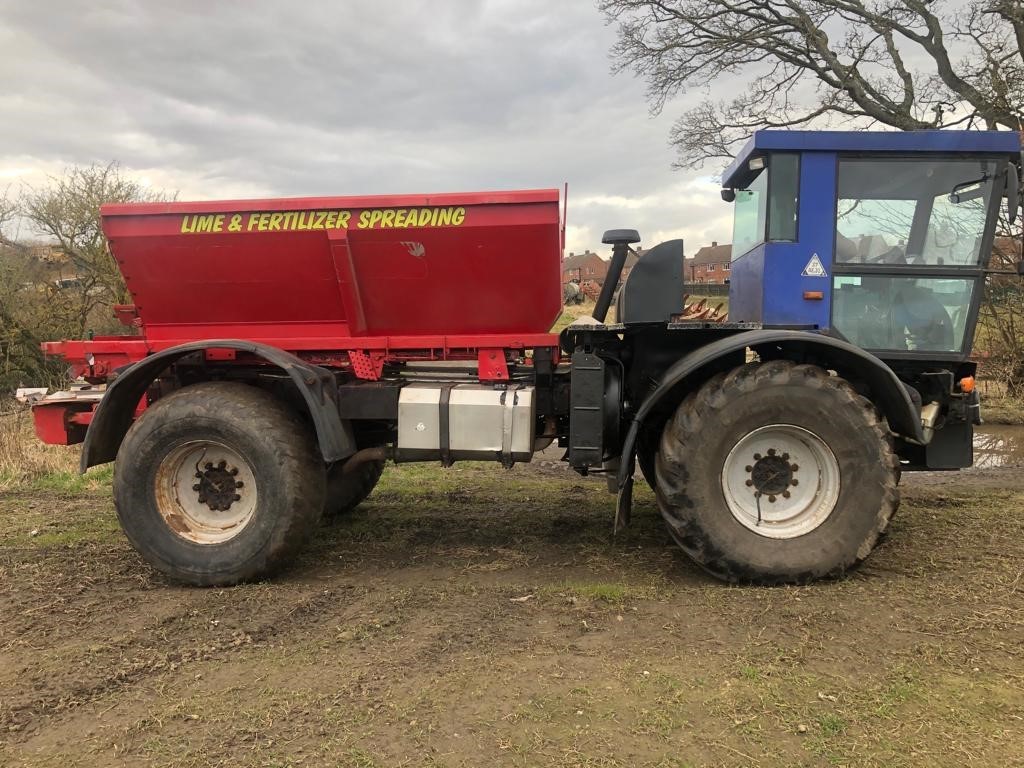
(887, 392)
(116, 410)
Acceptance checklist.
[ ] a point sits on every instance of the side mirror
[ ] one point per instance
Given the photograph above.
(1020, 268)
(1012, 192)
(728, 195)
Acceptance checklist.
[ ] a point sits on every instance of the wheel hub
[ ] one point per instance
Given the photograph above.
(206, 491)
(781, 481)
(772, 475)
(217, 486)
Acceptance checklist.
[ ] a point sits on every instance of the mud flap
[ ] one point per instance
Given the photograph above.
(624, 500)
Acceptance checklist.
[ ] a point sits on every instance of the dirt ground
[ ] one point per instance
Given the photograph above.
(475, 616)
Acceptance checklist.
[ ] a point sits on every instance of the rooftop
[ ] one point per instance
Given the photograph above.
(712, 254)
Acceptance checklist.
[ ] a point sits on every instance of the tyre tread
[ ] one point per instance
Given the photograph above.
(267, 416)
(697, 413)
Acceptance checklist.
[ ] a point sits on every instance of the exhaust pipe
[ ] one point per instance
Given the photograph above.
(357, 459)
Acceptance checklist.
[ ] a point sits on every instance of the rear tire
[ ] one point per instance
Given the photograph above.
(819, 455)
(218, 483)
(346, 491)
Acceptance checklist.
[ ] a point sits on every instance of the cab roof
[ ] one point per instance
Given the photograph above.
(904, 142)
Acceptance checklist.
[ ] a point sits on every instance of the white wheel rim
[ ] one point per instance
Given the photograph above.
(781, 481)
(206, 492)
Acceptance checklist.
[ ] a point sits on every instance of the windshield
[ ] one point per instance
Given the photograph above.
(901, 212)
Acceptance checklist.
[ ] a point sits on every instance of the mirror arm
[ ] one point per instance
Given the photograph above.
(954, 193)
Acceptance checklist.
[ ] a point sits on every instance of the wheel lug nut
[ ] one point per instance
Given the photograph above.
(199, 475)
(196, 487)
(785, 494)
(750, 482)
(771, 451)
(748, 468)
(239, 484)
(785, 457)
(234, 471)
(771, 499)
(208, 465)
(202, 498)
(794, 467)
(237, 498)
(221, 464)
(794, 481)
(757, 457)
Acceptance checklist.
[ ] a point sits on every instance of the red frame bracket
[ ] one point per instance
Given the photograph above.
(492, 365)
(368, 367)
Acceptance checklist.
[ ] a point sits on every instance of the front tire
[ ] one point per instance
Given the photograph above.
(777, 473)
(218, 483)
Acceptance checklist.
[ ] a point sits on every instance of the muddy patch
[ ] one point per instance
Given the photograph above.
(479, 616)
(997, 445)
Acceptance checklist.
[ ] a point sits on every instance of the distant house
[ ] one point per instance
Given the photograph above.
(711, 264)
(631, 260)
(577, 267)
(588, 266)
(54, 267)
(41, 265)
(1006, 252)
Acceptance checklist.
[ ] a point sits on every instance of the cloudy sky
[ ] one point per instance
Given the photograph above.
(257, 99)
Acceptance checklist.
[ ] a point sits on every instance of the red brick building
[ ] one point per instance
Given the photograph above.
(581, 267)
(709, 265)
(1006, 252)
(578, 267)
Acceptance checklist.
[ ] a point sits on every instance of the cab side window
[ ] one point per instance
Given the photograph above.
(766, 207)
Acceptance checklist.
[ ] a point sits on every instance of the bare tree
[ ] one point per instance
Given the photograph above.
(906, 64)
(1000, 338)
(8, 212)
(21, 359)
(45, 298)
(67, 211)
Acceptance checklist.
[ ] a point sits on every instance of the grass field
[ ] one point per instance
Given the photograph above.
(476, 616)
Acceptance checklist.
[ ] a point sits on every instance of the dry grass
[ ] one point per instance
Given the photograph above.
(24, 458)
(572, 311)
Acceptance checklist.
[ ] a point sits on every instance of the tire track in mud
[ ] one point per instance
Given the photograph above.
(67, 596)
(393, 608)
(135, 657)
(421, 624)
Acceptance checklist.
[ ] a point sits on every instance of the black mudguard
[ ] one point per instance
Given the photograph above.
(116, 410)
(887, 391)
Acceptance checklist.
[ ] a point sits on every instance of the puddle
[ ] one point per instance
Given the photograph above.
(998, 445)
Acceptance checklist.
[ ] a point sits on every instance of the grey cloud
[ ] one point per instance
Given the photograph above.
(344, 98)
